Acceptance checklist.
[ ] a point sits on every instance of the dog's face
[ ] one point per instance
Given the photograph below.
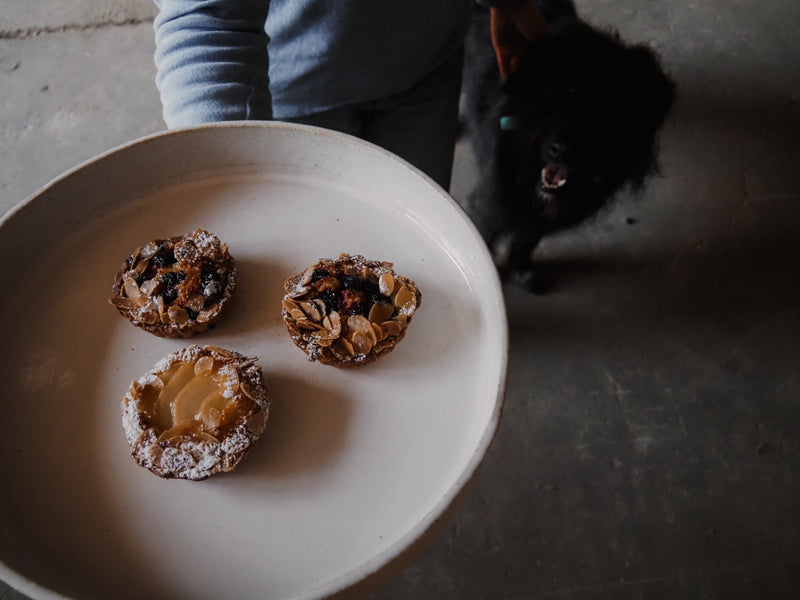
(586, 109)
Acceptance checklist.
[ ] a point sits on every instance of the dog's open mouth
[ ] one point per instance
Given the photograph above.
(554, 176)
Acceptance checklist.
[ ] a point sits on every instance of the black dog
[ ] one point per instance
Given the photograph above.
(576, 122)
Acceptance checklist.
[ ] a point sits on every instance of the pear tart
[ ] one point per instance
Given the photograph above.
(349, 311)
(196, 413)
(176, 287)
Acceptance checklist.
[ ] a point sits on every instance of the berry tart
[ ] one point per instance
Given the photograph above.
(349, 311)
(176, 287)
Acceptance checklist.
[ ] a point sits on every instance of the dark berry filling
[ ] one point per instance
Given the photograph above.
(318, 274)
(164, 257)
(351, 302)
(346, 294)
(331, 299)
(169, 285)
(351, 282)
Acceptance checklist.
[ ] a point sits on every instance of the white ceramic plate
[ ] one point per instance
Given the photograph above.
(356, 466)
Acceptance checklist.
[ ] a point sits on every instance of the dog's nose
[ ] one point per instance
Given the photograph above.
(555, 149)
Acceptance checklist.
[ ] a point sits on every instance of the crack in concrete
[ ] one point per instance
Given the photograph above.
(28, 32)
(618, 393)
(747, 193)
(744, 201)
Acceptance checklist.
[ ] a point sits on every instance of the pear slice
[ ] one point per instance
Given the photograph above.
(183, 375)
(211, 411)
(189, 427)
(189, 400)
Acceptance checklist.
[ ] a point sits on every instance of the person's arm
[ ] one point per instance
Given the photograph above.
(211, 60)
(514, 24)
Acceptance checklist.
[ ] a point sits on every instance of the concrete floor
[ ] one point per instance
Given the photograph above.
(650, 446)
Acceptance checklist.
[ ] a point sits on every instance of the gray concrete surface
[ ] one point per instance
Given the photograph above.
(650, 446)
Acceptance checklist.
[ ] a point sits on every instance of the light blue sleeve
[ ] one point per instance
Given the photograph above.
(211, 60)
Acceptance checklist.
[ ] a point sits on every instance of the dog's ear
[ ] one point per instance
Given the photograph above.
(645, 95)
(656, 89)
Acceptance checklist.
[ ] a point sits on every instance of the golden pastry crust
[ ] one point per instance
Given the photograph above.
(196, 413)
(176, 287)
(350, 311)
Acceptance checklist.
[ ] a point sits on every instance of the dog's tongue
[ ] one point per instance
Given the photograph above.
(554, 175)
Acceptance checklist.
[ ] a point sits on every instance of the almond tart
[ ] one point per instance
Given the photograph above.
(196, 413)
(176, 287)
(350, 311)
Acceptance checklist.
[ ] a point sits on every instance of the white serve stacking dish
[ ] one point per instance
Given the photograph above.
(355, 466)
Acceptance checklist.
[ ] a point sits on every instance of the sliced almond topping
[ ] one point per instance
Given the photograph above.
(324, 340)
(298, 315)
(196, 302)
(371, 333)
(221, 353)
(311, 311)
(380, 334)
(305, 278)
(362, 343)
(140, 266)
(131, 287)
(380, 312)
(177, 314)
(185, 250)
(250, 390)
(122, 302)
(289, 305)
(391, 328)
(344, 347)
(405, 299)
(148, 251)
(149, 314)
(333, 323)
(386, 284)
(323, 310)
(358, 323)
(148, 287)
(204, 365)
(360, 333)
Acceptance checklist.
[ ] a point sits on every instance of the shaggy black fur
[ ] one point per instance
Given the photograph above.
(580, 121)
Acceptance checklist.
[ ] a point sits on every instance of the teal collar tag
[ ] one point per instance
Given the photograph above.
(508, 123)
